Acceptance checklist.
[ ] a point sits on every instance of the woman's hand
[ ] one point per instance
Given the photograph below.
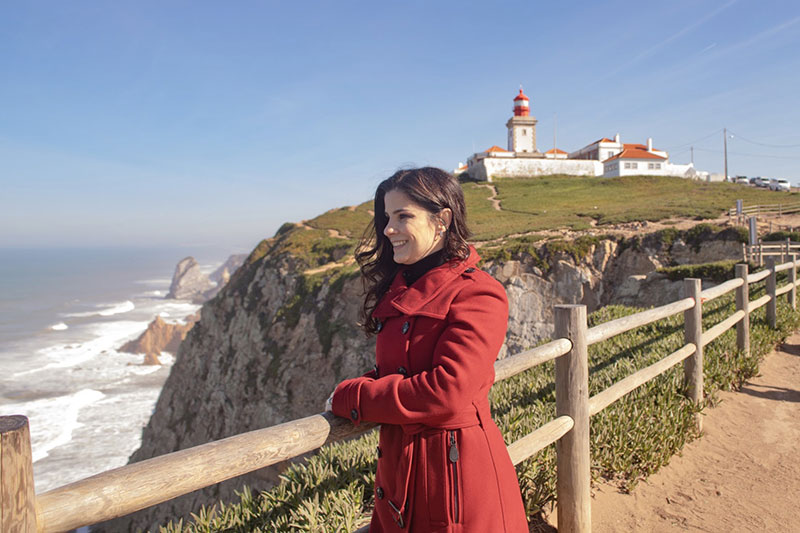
(329, 403)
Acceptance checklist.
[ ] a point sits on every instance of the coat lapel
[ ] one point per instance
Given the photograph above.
(420, 298)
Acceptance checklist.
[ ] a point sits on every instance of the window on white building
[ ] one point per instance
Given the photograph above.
(658, 165)
(651, 166)
(524, 131)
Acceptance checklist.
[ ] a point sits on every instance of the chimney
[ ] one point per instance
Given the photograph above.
(649, 144)
(616, 138)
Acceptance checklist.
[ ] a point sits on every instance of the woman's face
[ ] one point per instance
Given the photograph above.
(413, 232)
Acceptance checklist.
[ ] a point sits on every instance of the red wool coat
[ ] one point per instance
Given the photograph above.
(442, 463)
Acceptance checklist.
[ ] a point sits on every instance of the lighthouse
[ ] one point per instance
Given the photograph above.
(522, 127)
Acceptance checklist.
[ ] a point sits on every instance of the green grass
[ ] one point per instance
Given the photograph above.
(529, 205)
(632, 438)
(549, 202)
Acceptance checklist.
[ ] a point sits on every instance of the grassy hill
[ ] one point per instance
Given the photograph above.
(535, 204)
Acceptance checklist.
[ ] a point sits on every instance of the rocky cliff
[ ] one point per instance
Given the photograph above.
(189, 282)
(160, 336)
(275, 341)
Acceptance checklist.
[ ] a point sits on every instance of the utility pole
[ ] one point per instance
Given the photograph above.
(725, 143)
(555, 128)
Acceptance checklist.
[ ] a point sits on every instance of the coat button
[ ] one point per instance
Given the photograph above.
(379, 493)
(406, 325)
(380, 453)
(402, 370)
(470, 270)
(353, 414)
(378, 327)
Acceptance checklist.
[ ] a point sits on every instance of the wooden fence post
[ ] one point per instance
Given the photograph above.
(17, 503)
(572, 399)
(744, 252)
(793, 281)
(693, 333)
(743, 303)
(788, 246)
(772, 284)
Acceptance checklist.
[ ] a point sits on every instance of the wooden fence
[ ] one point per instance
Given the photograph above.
(133, 487)
(780, 250)
(767, 209)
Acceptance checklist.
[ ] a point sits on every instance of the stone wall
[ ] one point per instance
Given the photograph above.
(492, 167)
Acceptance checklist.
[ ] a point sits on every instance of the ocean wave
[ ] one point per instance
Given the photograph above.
(106, 310)
(53, 420)
(107, 337)
(160, 281)
(59, 327)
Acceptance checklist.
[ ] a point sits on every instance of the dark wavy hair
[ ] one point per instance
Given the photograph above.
(432, 189)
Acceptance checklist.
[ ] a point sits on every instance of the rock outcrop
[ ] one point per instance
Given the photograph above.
(223, 274)
(189, 282)
(160, 336)
(275, 341)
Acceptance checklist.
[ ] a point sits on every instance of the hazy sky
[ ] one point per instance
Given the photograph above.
(197, 123)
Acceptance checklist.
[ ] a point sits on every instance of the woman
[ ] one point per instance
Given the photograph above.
(440, 322)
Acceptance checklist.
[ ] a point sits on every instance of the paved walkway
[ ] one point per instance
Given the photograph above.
(743, 475)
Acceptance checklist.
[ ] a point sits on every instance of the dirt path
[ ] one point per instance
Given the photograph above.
(493, 197)
(743, 475)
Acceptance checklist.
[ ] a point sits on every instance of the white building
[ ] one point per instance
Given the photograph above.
(604, 157)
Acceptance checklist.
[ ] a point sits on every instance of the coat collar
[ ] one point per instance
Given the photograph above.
(414, 300)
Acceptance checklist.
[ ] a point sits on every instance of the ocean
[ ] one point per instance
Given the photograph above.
(63, 315)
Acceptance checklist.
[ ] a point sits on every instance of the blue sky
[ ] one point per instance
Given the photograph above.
(207, 123)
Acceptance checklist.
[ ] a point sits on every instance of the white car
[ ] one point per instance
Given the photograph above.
(779, 185)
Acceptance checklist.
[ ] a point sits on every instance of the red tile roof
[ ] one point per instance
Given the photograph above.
(496, 148)
(555, 151)
(635, 151)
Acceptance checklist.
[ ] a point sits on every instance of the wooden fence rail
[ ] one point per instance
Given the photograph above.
(766, 209)
(756, 253)
(133, 487)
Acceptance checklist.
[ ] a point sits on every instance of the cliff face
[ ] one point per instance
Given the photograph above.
(274, 343)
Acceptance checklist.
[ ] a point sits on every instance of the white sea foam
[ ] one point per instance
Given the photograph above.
(158, 281)
(59, 327)
(107, 337)
(53, 420)
(153, 294)
(106, 310)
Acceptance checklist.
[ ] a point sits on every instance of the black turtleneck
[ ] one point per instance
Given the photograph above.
(418, 269)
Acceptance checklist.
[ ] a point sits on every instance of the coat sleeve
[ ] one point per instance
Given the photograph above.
(463, 362)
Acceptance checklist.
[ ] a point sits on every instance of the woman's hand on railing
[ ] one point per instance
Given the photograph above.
(329, 403)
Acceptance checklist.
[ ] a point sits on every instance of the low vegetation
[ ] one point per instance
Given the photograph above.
(718, 271)
(332, 491)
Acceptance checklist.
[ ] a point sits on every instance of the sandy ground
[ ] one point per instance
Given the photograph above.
(742, 475)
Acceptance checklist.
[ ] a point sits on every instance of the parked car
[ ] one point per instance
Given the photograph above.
(758, 181)
(742, 179)
(779, 185)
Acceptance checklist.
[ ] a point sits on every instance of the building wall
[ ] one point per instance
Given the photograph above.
(490, 168)
(519, 141)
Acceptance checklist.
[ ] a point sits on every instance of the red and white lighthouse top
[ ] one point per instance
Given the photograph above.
(521, 105)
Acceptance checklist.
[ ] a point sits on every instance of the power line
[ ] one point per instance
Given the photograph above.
(750, 155)
(696, 140)
(737, 136)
